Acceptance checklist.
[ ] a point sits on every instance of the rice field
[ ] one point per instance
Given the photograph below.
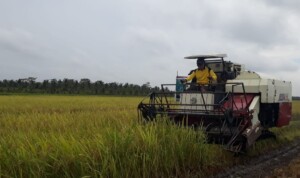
(77, 136)
(93, 136)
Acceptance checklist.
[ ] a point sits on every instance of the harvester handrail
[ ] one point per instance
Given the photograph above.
(233, 85)
(244, 92)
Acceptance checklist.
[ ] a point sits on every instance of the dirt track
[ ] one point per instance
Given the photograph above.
(283, 162)
(290, 170)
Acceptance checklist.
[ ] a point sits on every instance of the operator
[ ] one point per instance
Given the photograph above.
(203, 74)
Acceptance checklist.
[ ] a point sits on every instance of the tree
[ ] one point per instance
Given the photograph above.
(71, 86)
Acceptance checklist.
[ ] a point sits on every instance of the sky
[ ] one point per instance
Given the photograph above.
(139, 41)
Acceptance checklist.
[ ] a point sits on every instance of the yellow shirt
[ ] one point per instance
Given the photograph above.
(202, 76)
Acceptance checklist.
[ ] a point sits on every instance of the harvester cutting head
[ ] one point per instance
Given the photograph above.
(232, 111)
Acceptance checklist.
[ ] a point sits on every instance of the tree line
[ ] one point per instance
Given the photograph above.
(70, 86)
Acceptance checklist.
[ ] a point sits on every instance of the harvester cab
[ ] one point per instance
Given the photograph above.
(235, 110)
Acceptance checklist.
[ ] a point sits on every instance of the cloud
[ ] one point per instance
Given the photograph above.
(287, 4)
(140, 41)
(247, 22)
(18, 41)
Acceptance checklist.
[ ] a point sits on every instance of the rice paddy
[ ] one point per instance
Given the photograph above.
(93, 136)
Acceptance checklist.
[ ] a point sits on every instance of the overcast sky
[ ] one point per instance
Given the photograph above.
(139, 41)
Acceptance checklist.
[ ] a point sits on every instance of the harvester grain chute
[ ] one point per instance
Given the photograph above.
(234, 111)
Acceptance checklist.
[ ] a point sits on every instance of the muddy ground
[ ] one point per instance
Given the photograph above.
(282, 162)
(290, 170)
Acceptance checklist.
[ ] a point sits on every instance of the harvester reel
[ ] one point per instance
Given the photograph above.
(148, 112)
(214, 133)
(229, 117)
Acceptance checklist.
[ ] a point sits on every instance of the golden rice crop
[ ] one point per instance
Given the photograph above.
(93, 136)
(296, 106)
(75, 136)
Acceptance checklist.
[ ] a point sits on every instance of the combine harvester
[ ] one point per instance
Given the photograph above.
(234, 111)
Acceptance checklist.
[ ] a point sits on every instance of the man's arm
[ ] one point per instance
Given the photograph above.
(212, 75)
(190, 77)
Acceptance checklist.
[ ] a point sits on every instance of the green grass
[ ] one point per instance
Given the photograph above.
(77, 136)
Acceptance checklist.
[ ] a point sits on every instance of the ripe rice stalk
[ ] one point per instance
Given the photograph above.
(82, 136)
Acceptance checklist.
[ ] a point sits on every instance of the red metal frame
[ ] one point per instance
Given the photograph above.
(285, 114)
